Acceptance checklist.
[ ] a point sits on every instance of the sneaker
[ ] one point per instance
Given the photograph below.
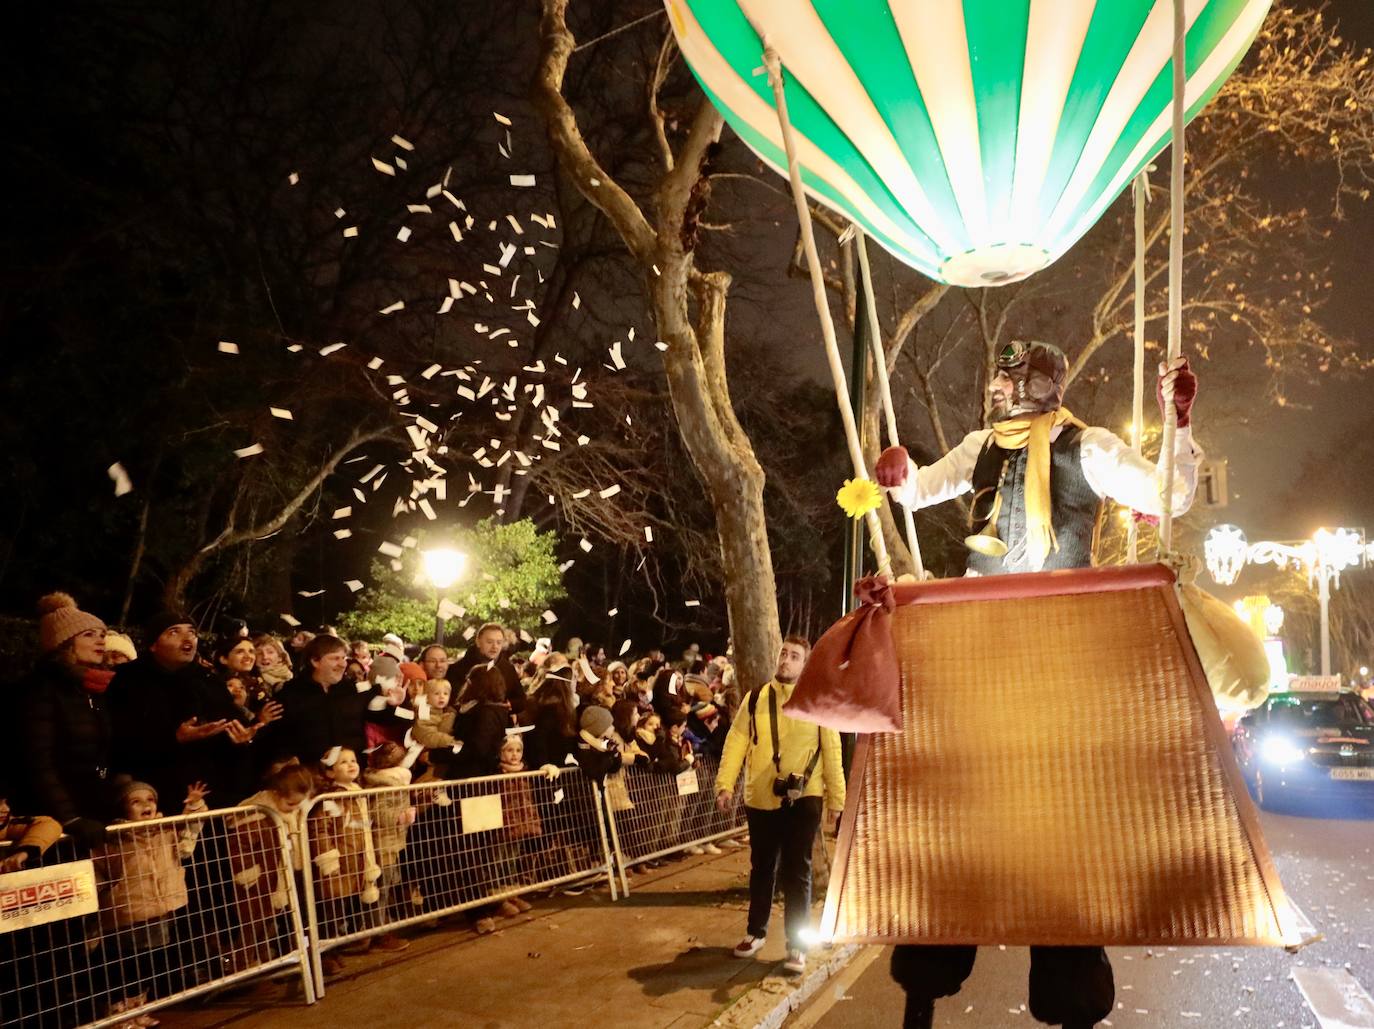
(508, 909)
(795, 963)
(390, 942)
(731, 844)
(521, 903)
(484, 926)
(711, 848)
(331, 965)
(693, 851)
(749, 946)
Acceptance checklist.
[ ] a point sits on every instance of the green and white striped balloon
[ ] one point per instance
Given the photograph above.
(977, 140)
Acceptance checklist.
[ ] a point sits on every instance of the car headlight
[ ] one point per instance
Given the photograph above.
(1280, 750)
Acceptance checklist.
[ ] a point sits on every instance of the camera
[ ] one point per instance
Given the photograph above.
(789, 788)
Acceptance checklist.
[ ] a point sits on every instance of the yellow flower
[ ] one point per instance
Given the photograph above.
(857, 497)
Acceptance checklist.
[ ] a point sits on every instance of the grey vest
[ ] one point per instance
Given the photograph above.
(1074, 507)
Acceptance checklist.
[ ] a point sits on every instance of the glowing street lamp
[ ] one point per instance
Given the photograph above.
(443, 567)
(1328, 553)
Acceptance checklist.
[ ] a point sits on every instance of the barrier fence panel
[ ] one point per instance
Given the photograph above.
(383, 858)
(657, 813)
(164, 910)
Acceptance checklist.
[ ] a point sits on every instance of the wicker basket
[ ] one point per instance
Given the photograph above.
(1063, 778)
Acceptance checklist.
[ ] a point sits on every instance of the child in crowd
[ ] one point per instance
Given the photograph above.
(434, 727)
(346, 869)
(674, 756)
(144, 887)
(29, 837)
(389, 695)
(392, 814)
(521, 823)
(261, 882)
(414, 677)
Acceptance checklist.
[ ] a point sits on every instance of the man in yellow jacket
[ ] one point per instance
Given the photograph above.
(789, 766)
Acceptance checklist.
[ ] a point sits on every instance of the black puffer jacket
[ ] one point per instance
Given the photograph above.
(482, 728)
(314, 719)
(65, 740)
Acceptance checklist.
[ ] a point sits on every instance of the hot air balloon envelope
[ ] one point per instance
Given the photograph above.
(977, 140)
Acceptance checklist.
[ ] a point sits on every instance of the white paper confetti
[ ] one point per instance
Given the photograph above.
(404, 144)
(393, 308)
(383, 167)
(249, 451)
(353, 585)
(225, 347)
(549, 617)
(522, 180)
(282, 413)
(122, 484)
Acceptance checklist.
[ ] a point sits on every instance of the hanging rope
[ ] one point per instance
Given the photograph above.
(885, 388)
(813, 263)
(1166, 521)
(1141, 194)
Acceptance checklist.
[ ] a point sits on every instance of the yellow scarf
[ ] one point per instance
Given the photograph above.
(1033, 432)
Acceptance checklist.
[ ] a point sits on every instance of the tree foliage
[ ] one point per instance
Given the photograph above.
(512, 576)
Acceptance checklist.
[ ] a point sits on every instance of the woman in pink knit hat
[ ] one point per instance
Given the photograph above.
(66, 738)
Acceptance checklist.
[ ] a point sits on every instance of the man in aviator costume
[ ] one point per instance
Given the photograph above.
(1038, 479)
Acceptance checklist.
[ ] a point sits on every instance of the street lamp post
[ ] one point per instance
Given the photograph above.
(1328, 553)
(443, 567)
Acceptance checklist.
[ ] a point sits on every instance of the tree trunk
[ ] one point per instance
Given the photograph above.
(695, 359)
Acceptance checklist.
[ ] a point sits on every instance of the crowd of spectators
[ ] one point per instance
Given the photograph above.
(111, 733)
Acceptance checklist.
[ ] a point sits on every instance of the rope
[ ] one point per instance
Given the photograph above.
(617, 31)
(1166, 521)
(813, 263)
(1141, 191)
(885, 388)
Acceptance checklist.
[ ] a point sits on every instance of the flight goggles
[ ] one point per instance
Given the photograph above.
(1014, 354)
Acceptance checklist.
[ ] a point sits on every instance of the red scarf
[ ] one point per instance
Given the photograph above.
(96, 680)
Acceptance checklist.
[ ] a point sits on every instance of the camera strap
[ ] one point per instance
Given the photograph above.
(777, 748)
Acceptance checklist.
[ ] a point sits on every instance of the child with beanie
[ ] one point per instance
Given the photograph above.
(521, 822)
(393, 813)
(144, 886)
(674, 756)
(262, 881)
(346, 869)
(434, 724)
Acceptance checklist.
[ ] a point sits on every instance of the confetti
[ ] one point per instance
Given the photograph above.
(353, 585)
(225, 347)
(249, 451)
(549, 617)
(293, 178)
(308, 593)
(691, 603)
(290, 621)
(624, 648)
(331, 349)
(404, 144)
(403, 233)
(389, 549)
(342, 512)
(342, 534)
(522, 180)
(120, 477)
(282, 413)
(393, 308)
(585, 544)
(350, 232)
(500, 117)
(648, 534)
(609, 492)
(383, 167)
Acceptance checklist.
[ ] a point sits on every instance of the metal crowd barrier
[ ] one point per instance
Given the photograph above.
(384, 858)
(165, 910)
(173, 908)
(656, 814)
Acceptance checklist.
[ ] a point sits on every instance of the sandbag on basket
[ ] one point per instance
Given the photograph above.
(1231, 654)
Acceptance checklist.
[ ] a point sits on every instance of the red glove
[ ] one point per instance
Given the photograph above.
(1185, 390)
(96, 680)
(891, 468)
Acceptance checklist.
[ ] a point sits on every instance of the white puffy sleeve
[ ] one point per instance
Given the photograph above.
(1113, 469)
(946, 479)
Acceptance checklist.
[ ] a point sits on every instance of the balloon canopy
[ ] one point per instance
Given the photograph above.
(977, 140)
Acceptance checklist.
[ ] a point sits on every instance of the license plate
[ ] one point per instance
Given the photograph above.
(1353, 773)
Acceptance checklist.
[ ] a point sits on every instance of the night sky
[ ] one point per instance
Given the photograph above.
(1291, 468)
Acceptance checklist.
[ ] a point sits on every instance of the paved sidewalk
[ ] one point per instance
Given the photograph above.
(659, 958)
